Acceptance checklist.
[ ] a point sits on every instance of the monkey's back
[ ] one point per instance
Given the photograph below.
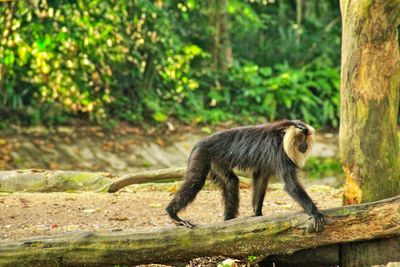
(250, 147)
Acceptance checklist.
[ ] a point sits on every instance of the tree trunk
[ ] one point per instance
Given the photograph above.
(240, 238)
(222, 43)
(370, 76)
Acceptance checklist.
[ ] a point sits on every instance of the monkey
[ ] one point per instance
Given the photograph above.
(279, 148)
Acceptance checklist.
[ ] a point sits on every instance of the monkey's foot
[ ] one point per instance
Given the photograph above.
(318, 224)
(181, 222)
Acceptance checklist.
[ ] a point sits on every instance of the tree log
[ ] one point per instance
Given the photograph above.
(144, 177)
(58, 181)
(238, 238)
(34, 180)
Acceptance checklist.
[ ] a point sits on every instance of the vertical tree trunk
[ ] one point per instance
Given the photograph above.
(370, 76)
(222, 43)
(226, 59)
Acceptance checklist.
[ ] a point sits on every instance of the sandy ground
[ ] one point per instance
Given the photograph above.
(26, 215)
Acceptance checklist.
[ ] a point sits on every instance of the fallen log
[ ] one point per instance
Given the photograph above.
(34, 180)
(239, 238)
(143, 177)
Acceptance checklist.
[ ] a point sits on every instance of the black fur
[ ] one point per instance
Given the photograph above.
(259, 148)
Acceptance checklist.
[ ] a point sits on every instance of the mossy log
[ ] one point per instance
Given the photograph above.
(238, 238)
(33, 180)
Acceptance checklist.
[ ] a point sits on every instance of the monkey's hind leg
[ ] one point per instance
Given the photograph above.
(229, 183)
(195, 177)
(260, 183)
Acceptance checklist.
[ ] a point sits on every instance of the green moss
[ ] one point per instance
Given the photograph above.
(34, 244)
(342, 212)
(82, 177)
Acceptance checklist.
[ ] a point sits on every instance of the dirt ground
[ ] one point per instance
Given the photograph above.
(25, 215)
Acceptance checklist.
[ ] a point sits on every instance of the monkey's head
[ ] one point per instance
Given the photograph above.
(298, 141)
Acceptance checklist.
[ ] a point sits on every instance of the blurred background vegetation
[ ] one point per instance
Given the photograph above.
(146, 61)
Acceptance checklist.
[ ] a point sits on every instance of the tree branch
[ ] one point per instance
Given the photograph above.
(143, 177)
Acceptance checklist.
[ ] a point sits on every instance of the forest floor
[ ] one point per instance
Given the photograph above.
(26, 215)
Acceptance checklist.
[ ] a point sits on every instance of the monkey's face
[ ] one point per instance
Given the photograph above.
(301, 140)
(297, 142)
(303, 146)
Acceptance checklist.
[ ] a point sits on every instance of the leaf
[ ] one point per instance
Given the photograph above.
(172, 189)
(53, 165)
(338, 194)
(159, 116)
(266, 71)
(70, 227)
(288, 102)
(72, 191)
(146, 163)
(229, 263)
(206, 130)
(91, 210)
(156, 205)
(160, 141)
(121, 219)
(50, 145)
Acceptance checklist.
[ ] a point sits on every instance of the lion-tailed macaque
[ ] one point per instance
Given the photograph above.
(272, 149)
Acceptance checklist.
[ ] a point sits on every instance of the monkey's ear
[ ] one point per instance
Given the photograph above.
(282, 130)
(311, 130)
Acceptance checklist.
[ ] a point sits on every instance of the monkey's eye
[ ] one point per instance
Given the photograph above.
(301, 137)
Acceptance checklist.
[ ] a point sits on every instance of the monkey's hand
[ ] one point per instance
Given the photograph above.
(319, 221)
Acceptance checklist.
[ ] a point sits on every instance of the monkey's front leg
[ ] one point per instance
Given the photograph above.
(319, 221)
(296, 191)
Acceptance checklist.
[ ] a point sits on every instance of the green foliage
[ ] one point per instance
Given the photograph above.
(318, 167)
(251, 258)
(135, 61)
(310, 93)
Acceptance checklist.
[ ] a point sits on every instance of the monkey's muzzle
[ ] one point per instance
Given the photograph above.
(303, 147)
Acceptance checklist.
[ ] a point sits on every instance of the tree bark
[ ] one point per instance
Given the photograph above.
(370, 76)
(238, 238)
